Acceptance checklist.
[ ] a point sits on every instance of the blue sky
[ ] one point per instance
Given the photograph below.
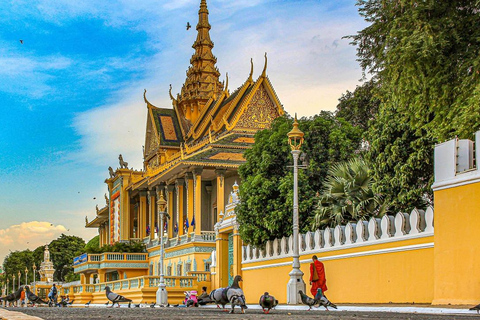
(71, 95)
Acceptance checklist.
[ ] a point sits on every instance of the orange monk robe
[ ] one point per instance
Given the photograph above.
(321, 282)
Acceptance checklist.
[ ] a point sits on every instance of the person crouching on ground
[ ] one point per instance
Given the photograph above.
(203, 298)
(317, 276)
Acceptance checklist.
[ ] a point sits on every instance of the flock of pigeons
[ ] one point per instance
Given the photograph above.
(222, 296)
(32, 298)
(232, 295)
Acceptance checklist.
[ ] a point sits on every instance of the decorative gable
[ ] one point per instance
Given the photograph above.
(260, 111)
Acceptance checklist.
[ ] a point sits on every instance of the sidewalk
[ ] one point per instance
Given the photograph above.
(15, 315)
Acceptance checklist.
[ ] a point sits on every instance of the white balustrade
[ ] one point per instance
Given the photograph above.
(389, 228)
(350, 233)
(339, 235)
(327, 235)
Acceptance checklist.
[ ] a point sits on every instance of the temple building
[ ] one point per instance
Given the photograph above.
(191, 156)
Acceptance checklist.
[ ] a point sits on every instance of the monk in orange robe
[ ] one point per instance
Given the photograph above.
(321, 282)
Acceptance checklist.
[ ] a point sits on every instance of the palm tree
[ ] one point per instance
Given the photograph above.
(348, 195)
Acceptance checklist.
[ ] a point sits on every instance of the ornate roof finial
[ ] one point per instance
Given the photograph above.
(170, 93)
(250, 77)
(264, 72)
(226, 84)
(145, 95)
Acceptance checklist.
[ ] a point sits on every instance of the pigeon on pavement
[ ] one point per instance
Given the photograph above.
(323, 301)
(267, 302)
(88, 303)
(477, 308)
(12, 297)
(307, 300)
(235, 295)
(219, 297)
(115, 298)
(33, 297)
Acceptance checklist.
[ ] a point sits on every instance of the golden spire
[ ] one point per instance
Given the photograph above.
(202, 76)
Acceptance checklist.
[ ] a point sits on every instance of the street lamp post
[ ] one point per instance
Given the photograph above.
(19, 278)
(162, 295)
(296, 283)
(26, 282)
(13, 287)
(34, 287)
(8, 288)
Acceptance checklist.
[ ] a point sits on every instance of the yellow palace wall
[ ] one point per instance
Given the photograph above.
(365, 277)
(457, 220)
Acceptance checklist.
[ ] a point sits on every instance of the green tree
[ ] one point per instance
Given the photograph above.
(402, 160)
(360, 106)
(94, 243)
(62, 252)
(348, 195)
(16, 262)
(265, 211)
(426, 56)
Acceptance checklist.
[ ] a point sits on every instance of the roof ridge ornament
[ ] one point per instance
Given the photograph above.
(171, 96)
(250, 77)
(264, 72)
(226, 85)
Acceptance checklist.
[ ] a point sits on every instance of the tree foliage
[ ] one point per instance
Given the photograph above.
(425, 55)
(348, 195)
(129, 247)
(62, 252)
(360, 106)
(94, 243)
(265, 211)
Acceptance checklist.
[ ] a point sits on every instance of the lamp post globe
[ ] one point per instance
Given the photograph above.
(296, 283)
(162, 295)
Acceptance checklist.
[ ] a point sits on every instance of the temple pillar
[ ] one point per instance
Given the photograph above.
(189, 191)
(100, 235)
(101, 275)
(142, 225)
(221, 244)
(220, 191)
(151, 208)
(169, 192)
(197, 197)
(83, 279)
(125, 217)
(237, 251)
(179, 189)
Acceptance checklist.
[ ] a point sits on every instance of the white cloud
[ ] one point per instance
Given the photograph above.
(112, 130)
(29, 75)
(28, 235)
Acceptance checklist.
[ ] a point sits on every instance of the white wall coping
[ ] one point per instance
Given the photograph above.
(350, 255)
(346, 246)
(461, 179)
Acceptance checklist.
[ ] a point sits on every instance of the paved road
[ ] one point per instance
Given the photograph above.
(207, 313)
